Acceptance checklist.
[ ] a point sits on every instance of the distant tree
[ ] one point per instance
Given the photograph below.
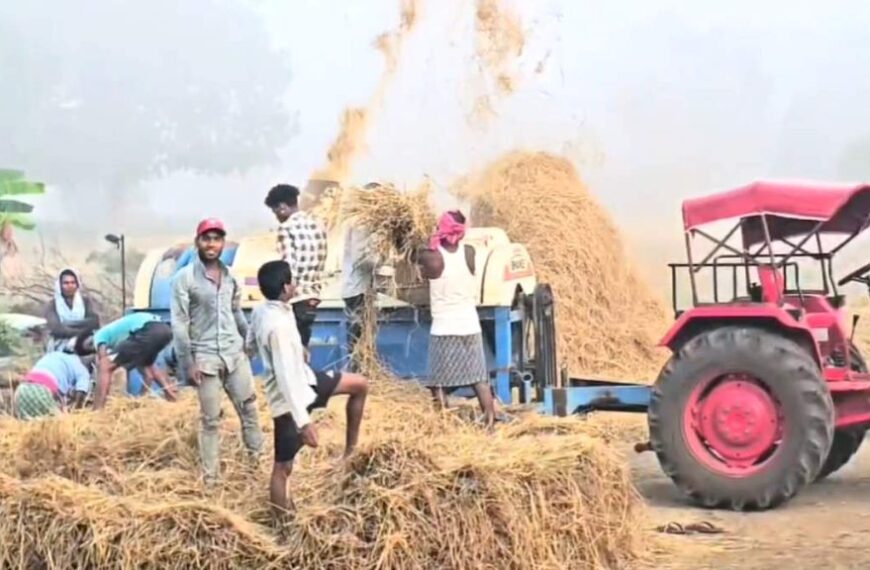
(108, 262)
(122, 92)
(13, 212)
(29, 291)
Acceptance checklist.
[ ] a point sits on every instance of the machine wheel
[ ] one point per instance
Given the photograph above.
(846, 442)
(741, 418)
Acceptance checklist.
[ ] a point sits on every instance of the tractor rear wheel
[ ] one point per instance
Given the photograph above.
(847, 441)
(741, 418)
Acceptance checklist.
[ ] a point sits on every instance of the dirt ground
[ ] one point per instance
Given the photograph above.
(826, 526)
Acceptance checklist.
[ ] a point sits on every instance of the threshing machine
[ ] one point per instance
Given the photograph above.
(764, 392)
(506, 284)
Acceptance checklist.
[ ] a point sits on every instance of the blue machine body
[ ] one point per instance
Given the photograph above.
(403, 345)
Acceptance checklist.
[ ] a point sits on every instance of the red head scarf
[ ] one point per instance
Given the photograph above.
(449, 230)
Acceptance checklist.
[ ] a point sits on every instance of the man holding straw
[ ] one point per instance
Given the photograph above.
(357, 282)
(209, 329)
(456, 355)
(292, 388)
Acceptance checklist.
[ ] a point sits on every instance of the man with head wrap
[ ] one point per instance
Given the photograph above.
(456, 353)
(69, 313)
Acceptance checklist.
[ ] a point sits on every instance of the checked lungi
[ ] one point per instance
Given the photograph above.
(34, 397)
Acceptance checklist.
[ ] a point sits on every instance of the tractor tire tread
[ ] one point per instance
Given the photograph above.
(806, 384)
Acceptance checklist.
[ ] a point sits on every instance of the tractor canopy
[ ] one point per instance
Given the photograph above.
(789, 209)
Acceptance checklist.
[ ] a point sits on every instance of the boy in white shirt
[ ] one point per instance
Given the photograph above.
(293, 389)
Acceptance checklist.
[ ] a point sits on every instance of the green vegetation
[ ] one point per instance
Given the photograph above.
(15, 212)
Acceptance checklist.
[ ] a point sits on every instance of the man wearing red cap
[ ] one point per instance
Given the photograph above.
(209, 329)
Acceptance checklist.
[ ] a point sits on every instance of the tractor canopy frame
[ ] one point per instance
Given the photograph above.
(793, 214)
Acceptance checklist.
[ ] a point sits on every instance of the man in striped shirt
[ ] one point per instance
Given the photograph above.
(302, 244)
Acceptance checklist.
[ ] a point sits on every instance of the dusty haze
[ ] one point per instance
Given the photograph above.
(161, 112)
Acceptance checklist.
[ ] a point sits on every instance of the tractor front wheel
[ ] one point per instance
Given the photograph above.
(741, 418)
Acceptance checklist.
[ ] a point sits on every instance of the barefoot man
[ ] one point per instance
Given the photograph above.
(293, 389)
(456, 354)
(133, 341)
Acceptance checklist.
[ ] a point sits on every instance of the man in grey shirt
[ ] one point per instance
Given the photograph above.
(357, 281)
(357, 273)
(209, 329)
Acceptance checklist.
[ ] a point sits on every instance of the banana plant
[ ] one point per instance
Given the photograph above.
(15, 213)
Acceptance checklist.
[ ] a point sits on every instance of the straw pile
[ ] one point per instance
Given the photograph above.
(607, 320)
(859, 306)
(119, 489)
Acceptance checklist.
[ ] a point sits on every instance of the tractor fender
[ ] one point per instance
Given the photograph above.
(770, 317)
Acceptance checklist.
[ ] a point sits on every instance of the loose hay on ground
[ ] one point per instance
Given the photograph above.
(120, 489)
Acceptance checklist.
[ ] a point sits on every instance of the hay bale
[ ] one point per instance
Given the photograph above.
(120, 489)
(607, 320)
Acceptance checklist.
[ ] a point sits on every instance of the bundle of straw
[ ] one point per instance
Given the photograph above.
(119, 489)
(398, 222)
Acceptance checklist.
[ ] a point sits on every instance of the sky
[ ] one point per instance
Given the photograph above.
(653, 101)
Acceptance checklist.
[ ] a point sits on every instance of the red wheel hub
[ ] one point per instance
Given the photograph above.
(732, 424)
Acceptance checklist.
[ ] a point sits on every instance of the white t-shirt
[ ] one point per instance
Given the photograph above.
(453, 297)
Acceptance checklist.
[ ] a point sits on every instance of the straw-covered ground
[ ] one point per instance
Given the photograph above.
(120, 489)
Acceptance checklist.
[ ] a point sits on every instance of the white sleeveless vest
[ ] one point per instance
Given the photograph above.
(453, 297)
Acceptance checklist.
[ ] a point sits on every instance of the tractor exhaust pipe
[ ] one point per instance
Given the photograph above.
(854, 326)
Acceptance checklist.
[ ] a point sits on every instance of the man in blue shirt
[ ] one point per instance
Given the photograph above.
(57, 381)
(131, 342)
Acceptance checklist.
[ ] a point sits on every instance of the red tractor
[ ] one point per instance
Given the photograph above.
(765, 391)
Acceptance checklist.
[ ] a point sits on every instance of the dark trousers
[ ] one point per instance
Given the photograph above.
(355, 311)
(305, 312)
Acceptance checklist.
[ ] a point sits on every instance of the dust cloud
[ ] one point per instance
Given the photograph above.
(354, 124)
(498, 42)
(144, 117)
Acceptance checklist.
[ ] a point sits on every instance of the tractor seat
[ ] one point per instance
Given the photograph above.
(772, 285)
